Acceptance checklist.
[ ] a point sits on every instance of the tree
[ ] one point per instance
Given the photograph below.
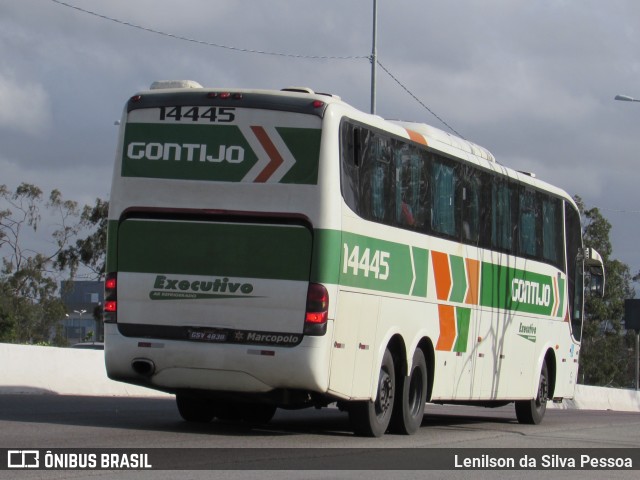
(30, 307)
(89, 251)
(605, 358)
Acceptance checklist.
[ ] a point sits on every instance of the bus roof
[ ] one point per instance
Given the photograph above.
(434, 137)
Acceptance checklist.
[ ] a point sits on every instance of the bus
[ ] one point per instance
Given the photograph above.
(282, 249)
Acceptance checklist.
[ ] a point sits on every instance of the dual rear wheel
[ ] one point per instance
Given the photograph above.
(399, 403)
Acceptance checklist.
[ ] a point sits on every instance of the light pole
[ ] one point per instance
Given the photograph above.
(626, 98)
(374, 56)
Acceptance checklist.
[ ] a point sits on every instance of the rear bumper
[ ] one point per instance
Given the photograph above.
(240, 368)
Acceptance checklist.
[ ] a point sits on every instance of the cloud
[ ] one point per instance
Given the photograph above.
(25, 106)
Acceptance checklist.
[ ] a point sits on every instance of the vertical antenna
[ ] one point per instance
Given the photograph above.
(374, 56)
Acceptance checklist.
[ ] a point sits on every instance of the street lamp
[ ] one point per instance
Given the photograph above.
(626, 98)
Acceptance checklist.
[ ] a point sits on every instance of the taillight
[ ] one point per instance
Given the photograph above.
(110, 310)
(315, 321)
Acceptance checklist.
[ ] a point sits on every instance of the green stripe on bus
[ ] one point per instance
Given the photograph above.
(561, 300)
(463, 319)
(325, 264)
(459, 288)
(384, 266)
(304, 145)
(517, 290)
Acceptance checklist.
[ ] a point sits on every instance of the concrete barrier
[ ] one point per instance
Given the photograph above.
(601, 398)
(68, 371)
(60, 371)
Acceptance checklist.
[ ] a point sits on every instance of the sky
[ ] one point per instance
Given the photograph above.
(533, 82)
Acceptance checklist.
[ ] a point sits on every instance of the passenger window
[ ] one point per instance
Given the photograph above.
(443, 216)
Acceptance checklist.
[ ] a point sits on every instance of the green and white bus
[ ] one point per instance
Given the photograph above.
(282, 249)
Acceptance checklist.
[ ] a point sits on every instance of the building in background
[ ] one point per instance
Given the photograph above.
(82, 300)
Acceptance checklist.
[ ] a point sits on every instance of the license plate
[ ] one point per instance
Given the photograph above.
(208, 335)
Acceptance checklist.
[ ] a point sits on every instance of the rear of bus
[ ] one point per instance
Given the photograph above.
(212, 287)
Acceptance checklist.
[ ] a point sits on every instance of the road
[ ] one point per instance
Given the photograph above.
(50, 421)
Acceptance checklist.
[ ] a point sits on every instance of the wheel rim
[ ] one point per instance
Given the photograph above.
(385, 394)
(543, 392)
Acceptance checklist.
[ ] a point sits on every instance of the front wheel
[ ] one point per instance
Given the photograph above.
(532, 411)
(408, 409)
(371, 419)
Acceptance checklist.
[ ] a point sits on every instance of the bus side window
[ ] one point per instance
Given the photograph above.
(350, 153)
(443, 199)
(375, 178)
(551, 231)
(501, 216)
(528, 220)
(410, 188)
(575, 269)
(471, 210)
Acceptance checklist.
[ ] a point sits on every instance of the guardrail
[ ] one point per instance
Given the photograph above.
(68, 371)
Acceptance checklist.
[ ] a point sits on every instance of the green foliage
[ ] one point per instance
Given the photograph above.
(89, 251)
(606, 357)
(30, 304)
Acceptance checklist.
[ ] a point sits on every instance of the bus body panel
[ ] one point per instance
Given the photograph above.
(219, 367)
(220, 281)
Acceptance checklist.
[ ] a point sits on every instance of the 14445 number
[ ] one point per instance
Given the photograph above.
(371, 262)
(213, 114)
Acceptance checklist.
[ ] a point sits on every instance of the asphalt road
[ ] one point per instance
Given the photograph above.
(49, 421)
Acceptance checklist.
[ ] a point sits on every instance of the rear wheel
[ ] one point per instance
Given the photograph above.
(408, 409)
(371, 419)
(532, 411)
(194, 409)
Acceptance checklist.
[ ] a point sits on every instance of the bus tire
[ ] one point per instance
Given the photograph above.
(194, 409)
(408, 409)
(531, 412)
(371, 419)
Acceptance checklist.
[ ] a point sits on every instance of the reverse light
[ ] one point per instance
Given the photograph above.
(317, 312)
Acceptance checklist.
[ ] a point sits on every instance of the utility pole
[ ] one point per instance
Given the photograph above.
(374, 56)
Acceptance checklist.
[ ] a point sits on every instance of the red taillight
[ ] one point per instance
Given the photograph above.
(315, 322)
(110, 309)
(224, 95)
(318, 104)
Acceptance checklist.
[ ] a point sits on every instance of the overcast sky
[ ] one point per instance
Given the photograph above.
(532, 81)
